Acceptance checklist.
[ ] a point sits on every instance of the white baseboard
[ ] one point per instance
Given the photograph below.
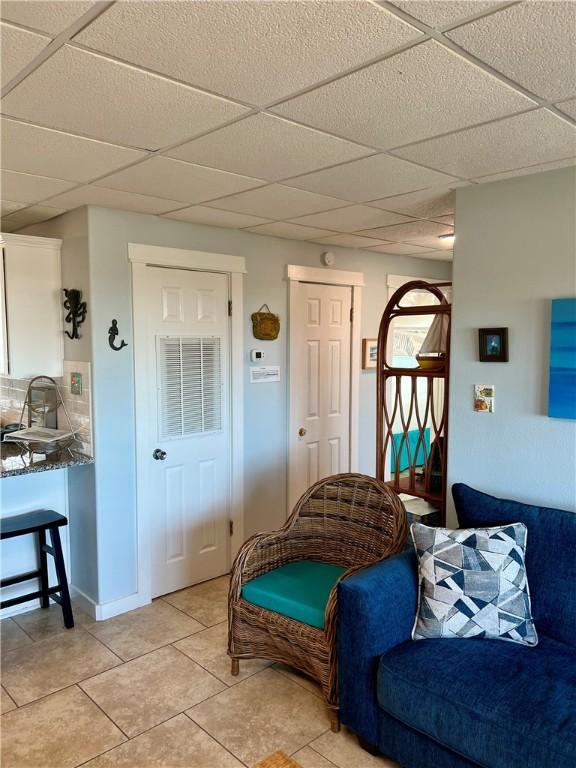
(103, 611)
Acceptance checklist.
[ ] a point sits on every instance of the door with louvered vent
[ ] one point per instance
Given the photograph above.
(188, 424)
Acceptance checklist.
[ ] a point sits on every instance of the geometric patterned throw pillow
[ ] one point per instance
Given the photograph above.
(473, 584)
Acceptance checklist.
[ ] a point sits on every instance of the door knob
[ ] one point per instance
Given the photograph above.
(301, 432)
(159, 454)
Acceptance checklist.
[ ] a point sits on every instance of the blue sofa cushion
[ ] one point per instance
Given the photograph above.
(500, 705)
(550, 558)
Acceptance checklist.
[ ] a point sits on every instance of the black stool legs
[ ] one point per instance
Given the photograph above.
(43, 560)
(64, 598)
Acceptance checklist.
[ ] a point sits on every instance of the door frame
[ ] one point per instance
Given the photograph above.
(355, 281)
(141, 256)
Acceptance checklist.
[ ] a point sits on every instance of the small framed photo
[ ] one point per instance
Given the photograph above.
(369, 353)
(493, 345)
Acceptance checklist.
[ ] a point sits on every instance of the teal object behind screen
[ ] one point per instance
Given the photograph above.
(412, 438)
(299, 590)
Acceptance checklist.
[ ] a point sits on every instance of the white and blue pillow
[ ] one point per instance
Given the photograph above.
(473, 584)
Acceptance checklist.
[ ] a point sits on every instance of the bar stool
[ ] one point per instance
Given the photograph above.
(38, 522)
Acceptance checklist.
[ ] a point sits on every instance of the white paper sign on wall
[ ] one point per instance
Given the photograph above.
(264, 374)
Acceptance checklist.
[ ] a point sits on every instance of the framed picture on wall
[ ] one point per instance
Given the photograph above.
(369, 353)
(493, 345)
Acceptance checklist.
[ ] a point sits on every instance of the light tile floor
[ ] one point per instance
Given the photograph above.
(152, 689)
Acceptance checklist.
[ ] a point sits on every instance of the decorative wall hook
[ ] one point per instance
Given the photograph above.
(112, 333)
(76, 311)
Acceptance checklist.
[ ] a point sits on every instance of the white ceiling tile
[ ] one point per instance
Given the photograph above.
(277, 202)
(254, 51)
(268, 147)
(425, 91)
(201, 214)
(425, 204)
(433, 243)
(444, 13)
(400, 249)
(34, 215)
(370, 178)
(31, 149)
(535, 137)
(568, 107)
(288, 230)
(8, 206)
(19, 48)
(350, 241)
(177, 180)
(399, 233)
(115, 102)
(541, 168)
(51, 16)
(531, 43)
(351, 219)
(449, 219)
(25, 188)
(114, 198)
(9, 227)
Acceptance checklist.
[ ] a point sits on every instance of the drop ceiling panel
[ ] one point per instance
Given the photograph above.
(9, 206)
(253, 51)
(535, 137)
(399, 233)
(114, 102)
(531, 43)
(45, 152)
(568, 107)
(448, 220)
(444, 13)
(351, 219)
(288, 230)
(34, 215)
(350, 241)
(422, 92)
(201, 214)
(51, 16)
(541, 168)
(113, 198)
(19, 48)
(400, 249)
(25, 188)
(426, 203)
(277, 202)
(176, 180)
(370, 178)
(268, 147)
(434, 243)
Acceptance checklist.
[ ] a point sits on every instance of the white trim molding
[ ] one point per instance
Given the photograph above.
(327, 276)
(30, 241)
(142, 256)
(355, 280)
(161, 256)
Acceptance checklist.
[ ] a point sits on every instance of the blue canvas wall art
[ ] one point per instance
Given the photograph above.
(562, 385)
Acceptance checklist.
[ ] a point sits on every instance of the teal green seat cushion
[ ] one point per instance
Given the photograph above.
(299, 590)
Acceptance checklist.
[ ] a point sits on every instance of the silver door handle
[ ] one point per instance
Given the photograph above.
(301, 432)
(159, 454)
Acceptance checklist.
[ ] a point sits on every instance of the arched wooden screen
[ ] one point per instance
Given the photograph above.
(412, 402)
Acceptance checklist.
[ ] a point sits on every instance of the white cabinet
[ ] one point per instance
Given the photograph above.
(31, 337)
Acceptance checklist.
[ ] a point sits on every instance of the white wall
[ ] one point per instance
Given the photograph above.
(515, 250)
(110, 232)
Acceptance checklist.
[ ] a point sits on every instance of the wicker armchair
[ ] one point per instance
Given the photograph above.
(348, 520)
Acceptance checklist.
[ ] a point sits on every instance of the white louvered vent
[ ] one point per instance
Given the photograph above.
(190, 377)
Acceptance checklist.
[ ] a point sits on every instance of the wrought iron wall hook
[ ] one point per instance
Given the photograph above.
(76, 311)
(112, 333)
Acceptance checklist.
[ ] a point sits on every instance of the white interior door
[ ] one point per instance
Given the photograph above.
(320, 333)
(184, 460)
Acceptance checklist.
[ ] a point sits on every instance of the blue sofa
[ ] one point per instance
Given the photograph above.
(463, 703)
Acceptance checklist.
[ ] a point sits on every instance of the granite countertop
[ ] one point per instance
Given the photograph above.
(14, 461)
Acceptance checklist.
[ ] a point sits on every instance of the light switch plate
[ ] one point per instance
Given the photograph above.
(75, 383)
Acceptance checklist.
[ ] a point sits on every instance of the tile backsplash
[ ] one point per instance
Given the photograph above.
(78, 406)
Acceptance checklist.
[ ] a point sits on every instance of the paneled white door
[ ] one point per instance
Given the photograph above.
(320, 332)
(184, 468)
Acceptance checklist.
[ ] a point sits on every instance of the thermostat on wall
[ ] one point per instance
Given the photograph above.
(256, 355)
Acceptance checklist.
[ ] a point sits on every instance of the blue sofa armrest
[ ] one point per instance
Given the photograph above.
(376, 610)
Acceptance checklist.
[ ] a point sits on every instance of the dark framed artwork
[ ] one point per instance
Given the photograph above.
(493, 345)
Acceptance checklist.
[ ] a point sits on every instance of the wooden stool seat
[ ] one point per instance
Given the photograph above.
(38, 522)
